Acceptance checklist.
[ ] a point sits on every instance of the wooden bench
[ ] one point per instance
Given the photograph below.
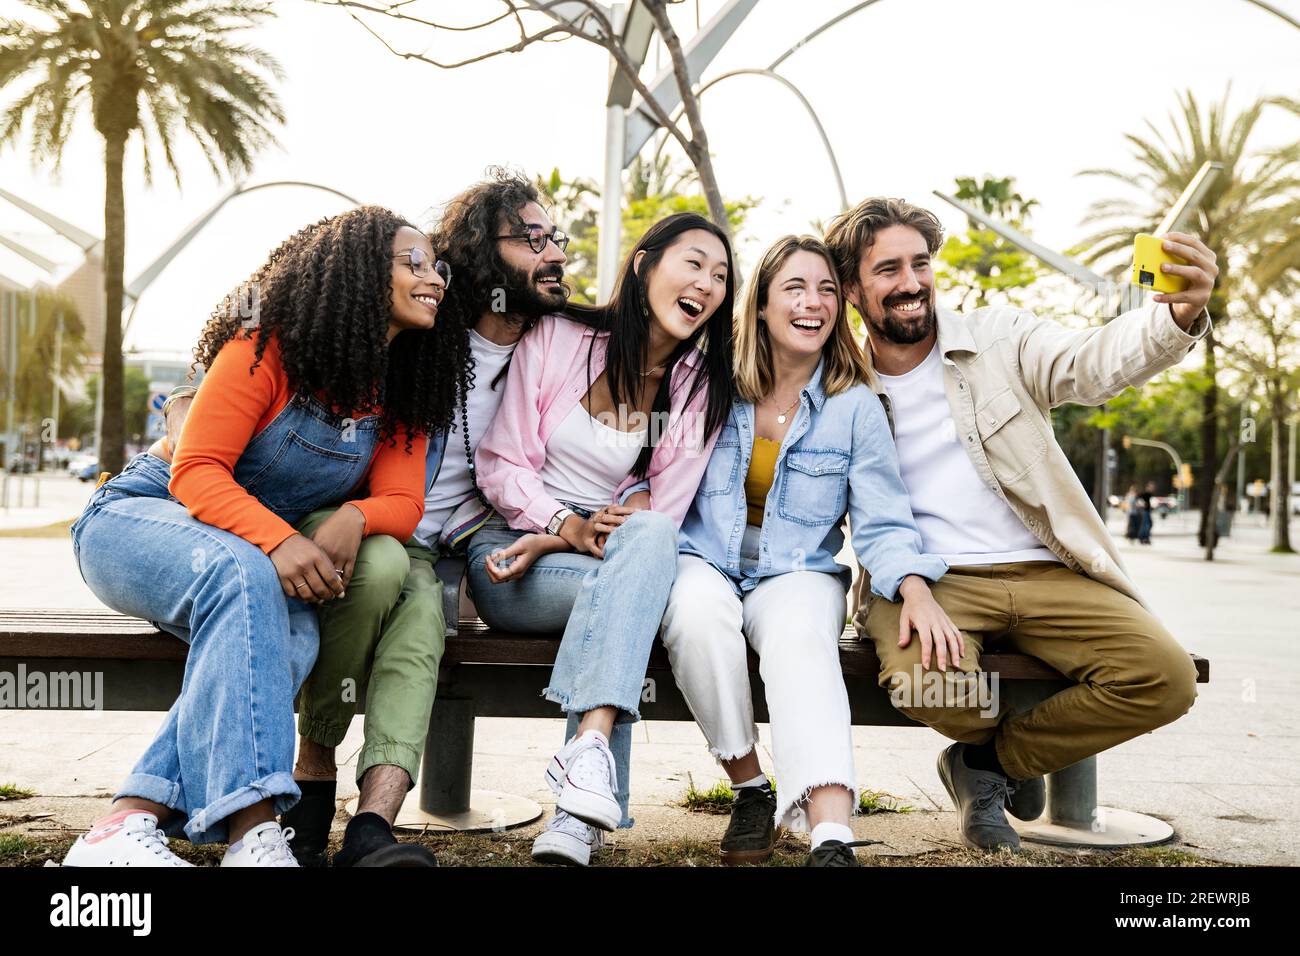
(487, 673)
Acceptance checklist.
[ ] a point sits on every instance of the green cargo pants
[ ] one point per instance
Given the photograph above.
(387, 634)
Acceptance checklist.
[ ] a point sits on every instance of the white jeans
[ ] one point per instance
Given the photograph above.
(794, 622)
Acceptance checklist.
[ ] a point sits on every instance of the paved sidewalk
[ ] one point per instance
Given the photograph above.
(33, 501)
(1227, 775)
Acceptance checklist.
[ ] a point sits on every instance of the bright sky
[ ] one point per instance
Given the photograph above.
(912, 94)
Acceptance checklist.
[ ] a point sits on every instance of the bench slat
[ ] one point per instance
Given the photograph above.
(106, 635)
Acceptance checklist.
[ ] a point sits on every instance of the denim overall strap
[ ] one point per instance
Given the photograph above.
(307, 458)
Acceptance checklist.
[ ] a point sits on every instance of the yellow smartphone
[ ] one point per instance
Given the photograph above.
(1148, 256)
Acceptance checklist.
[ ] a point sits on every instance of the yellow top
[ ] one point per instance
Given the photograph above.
(758, 482)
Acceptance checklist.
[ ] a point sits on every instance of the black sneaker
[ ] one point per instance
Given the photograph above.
(369, 841)
(981, 798)
(409, 855)
(1026, 799)
(310, 820)
(751, 834)
(835, 853)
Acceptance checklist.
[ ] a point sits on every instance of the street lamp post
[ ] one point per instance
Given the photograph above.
(1172, 452)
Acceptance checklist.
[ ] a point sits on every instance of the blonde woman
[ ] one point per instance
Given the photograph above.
(807, 443)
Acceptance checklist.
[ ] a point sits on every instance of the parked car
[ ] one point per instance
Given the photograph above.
(89, 472)
(20, 464)
(1164, 505)
(78, 462)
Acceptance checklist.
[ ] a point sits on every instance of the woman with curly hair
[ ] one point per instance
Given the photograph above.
(591, 463)
(389, 633)
(321, 379)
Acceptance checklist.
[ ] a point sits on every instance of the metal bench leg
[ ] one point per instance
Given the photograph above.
(1074, 819)
(442, 798)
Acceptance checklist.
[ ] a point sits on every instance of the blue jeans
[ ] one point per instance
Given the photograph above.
(609, 612)
(227, 743)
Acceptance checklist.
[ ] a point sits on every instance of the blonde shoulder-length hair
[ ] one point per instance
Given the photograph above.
(846, 362)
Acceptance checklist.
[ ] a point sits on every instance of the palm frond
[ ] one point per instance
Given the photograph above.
(191, 70)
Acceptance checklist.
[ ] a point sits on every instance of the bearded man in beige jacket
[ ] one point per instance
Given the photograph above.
(1032, 565)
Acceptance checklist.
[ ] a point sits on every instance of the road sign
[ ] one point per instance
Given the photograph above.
(158, 392)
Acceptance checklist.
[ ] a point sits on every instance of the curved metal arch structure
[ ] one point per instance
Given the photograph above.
(858, 8)
(808, 107)
(155, 268)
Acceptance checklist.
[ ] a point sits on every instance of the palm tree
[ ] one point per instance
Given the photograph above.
(152, 67)
(51, 358)
(1266, 352)
(1279, 226)
(1229, 219)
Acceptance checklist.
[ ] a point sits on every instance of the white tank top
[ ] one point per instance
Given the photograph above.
(586, 461)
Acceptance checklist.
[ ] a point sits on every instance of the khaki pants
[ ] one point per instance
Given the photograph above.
(1132, 675)
(387, 636)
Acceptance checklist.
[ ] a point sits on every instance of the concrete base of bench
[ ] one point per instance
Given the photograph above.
(487, 673)
(442, 799)
(1074, 819)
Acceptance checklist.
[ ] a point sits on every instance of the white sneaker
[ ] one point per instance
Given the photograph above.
(583, 777)
(567, 840)
(264, 845)
(127, 838)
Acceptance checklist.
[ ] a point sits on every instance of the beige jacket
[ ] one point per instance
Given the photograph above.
(1004, 370)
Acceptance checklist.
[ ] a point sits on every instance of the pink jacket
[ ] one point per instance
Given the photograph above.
(548, 377)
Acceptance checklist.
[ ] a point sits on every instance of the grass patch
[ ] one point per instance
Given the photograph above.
(9, 791)
(1161, 856)
(717, 799)
(514, 849)
(877, 801)
(16, 850)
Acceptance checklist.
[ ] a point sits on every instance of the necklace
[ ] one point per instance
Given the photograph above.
(780, 417)
(469, 454)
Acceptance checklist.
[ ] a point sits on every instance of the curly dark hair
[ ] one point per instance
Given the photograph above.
(466, 239)
(326, 293)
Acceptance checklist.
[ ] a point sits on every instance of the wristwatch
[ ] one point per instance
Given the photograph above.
(558, 519)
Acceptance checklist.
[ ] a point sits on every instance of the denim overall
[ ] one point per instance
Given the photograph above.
(228, 741)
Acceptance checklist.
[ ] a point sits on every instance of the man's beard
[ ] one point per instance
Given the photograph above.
(524, 298)
(903, 331)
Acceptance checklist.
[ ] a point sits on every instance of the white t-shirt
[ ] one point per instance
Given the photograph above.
(452, 487)
(587, 460)
(960, 519)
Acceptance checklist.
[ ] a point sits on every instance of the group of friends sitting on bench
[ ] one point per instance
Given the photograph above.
(677, 463)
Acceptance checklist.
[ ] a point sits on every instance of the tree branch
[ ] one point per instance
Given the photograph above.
(698, 150)
(695, 146)
(525, 39)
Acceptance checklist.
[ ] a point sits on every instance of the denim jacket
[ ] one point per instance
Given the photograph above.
(837, 458)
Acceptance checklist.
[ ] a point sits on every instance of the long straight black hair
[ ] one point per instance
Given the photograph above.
(627, 318)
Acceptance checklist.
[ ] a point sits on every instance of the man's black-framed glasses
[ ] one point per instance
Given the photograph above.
(538, 237)
(421, 265)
